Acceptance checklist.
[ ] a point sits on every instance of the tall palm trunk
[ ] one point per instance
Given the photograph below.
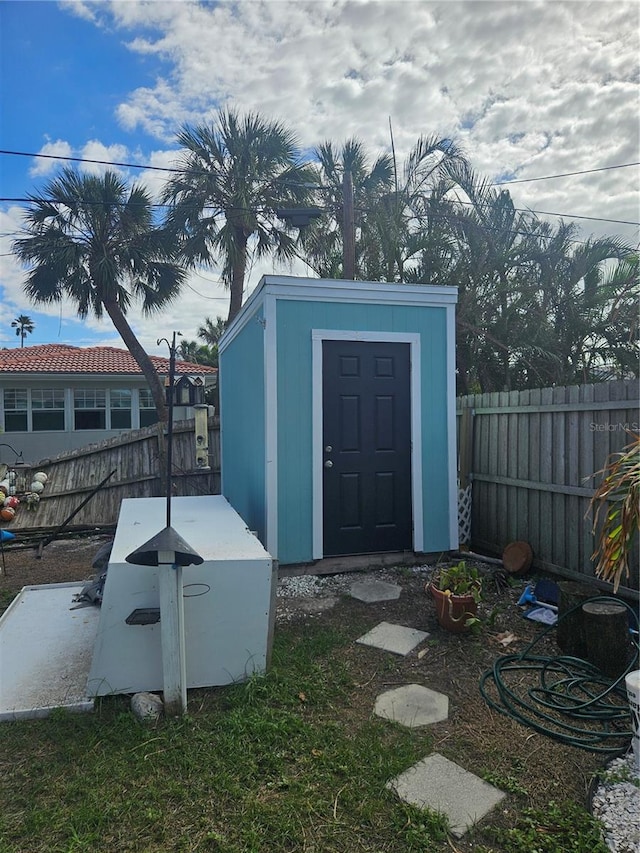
(135, 348)
(238, 273)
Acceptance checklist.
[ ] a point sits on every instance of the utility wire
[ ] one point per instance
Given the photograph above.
(562, 175)
(433, 215)
(98, 162)
(359, 208)
(200, 172)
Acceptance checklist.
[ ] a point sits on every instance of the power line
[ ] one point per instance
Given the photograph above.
(549, 213)
(28, 200)
(200, 172)
(87, 160)
(562, 175)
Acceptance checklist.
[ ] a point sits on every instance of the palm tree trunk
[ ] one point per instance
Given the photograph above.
(237, 275)
(144, 362)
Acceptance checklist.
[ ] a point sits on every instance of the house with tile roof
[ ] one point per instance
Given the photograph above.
(58, 397)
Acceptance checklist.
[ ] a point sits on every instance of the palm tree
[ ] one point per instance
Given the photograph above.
(24, 325)
(211, 331)
(198, 353)
(323, 241)
(230, 180)
(394, 216)
(92, 239)
(534, 309)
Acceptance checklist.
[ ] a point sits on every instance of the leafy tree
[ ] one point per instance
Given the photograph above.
(231, 178)
(92, 239)
(24, 325)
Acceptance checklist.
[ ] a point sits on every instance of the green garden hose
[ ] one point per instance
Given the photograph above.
(564, 697)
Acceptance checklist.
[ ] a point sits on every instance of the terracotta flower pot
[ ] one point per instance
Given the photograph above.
(454, 611)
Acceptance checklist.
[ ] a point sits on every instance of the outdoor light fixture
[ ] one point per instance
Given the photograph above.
(299, 217)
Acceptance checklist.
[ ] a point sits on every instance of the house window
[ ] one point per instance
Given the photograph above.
(47, 409)
(15, 410)
(120, 405)
(90, 409)
(148, 414)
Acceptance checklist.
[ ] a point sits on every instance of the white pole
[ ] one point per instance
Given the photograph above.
(174, 665)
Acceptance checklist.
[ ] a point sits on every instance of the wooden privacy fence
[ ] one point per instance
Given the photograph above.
(531, 457)
(137, 463)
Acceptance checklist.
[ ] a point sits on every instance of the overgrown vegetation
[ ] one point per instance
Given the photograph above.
(616, 521)
(560, 828)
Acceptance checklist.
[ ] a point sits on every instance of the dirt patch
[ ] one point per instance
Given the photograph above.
(61, 561)
(535, 767)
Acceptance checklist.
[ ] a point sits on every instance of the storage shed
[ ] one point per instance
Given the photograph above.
(337, 406)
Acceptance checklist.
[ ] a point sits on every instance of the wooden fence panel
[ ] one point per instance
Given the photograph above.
(536, 455)
(138, 460)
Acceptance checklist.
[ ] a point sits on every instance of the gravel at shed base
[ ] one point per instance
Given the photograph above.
(616, 803)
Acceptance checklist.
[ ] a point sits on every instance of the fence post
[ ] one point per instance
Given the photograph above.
(162, 459)
(465, 463)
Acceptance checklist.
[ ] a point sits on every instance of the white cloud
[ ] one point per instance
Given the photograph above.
(528, 88)
(107, 154)
(48, 163)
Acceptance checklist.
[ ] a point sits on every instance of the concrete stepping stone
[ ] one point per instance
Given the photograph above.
(442, 786)
(393, 638)
(412, 705)
(372, 590)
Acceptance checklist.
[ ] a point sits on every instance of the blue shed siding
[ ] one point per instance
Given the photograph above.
(295, 320)
(242, 427)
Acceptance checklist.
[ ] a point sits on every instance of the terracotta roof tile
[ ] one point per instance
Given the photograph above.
(63, 358)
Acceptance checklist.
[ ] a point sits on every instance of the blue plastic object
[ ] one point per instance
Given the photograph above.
(6, 535)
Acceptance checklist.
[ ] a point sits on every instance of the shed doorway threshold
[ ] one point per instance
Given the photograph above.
(46, 650)
(357, 563)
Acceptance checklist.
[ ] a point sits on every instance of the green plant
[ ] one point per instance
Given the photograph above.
(613, 777)
(460, 579)
(617, 513)
(508, 784)
(559, 828)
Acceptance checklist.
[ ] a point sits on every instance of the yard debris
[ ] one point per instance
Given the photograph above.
(506, 638)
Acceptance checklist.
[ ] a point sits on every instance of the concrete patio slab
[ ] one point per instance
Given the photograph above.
(442, 786)
(393, 638)
(371, 591)
(46, 648)
(412, 705)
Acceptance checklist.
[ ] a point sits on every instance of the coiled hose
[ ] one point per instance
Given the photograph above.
(566, 698)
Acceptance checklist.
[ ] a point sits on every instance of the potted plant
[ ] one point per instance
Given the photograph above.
(456, 591)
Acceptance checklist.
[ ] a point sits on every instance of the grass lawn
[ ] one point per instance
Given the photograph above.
(291, 761)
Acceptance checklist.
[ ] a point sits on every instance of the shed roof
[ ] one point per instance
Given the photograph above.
(67, 359)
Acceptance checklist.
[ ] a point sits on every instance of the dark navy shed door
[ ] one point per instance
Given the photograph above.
(366, 399)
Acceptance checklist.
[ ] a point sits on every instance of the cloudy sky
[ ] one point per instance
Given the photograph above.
(530, 89)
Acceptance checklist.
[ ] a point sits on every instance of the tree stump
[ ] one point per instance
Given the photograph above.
(570, 632)
(606, 631)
